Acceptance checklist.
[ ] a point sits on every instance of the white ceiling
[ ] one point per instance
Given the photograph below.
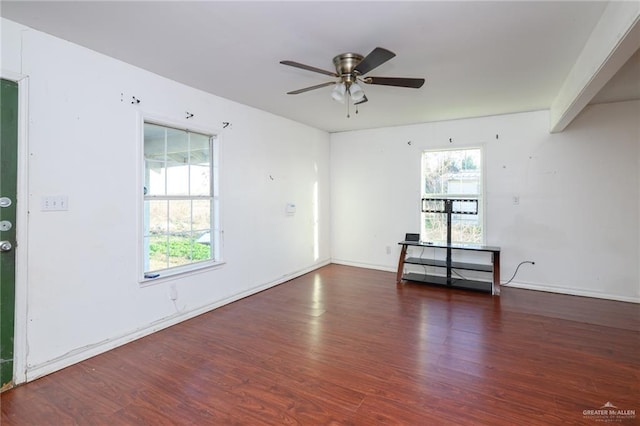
(479, 58)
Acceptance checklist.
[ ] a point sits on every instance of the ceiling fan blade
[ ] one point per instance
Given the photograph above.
(308, 68)
(377, 57)
(363, 100)
(306, 89)
(414, 83)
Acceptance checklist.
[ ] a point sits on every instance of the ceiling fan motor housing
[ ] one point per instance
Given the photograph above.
(345, 64)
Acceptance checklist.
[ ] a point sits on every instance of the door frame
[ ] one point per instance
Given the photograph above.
(20, 350)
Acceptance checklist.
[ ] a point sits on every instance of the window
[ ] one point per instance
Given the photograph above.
(453, 174)
(180, 200)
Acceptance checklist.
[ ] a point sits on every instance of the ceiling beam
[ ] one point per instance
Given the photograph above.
(615, 38)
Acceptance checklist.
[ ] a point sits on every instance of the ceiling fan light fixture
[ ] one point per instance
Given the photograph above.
(357, 94)
(338, 93)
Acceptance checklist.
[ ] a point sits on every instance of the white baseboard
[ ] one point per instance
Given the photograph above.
(364, 265)
(86, 352)
(572, 292)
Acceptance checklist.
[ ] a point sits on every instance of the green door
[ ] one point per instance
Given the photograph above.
(8, 173)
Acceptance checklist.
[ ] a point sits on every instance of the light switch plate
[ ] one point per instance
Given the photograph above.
(51, 203)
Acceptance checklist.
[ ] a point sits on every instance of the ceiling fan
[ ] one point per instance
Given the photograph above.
(350, 70)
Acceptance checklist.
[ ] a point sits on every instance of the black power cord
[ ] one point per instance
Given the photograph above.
(518, 267)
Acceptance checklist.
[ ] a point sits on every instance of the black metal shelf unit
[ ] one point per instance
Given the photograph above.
(450, 206)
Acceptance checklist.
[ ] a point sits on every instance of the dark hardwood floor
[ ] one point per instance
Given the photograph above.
(344, 345)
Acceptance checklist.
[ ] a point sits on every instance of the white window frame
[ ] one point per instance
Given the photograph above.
(482, 198)
(216, 230)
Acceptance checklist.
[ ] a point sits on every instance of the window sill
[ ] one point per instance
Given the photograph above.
(179, 272)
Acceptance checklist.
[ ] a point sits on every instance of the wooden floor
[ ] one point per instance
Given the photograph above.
(345, 345)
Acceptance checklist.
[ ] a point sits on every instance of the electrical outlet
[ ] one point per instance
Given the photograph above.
(516, 200)
(388, 248)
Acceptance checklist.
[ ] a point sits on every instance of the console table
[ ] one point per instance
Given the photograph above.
(449, 265)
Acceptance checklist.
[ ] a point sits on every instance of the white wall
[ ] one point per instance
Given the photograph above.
(81, 293)
(579, 195)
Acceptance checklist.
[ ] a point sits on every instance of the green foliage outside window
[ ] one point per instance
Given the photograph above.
(181, 247)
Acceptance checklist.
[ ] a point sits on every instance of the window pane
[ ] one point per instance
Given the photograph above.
(158, 219)
(203, 249)
(435, 225)
(154, 142)
(201, 215)
(200, 173)
(467, 229)
(154, 182)
(200, 180)
(177, 145)
(180, 247)
(201, 246)
(177, 162)
(178, 180)
(158, 252)
(200, 146)
(180, 216)
(155, 157)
